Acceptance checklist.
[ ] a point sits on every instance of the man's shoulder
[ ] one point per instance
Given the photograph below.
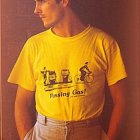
(101, 34)
(102, 37)
(39, 36)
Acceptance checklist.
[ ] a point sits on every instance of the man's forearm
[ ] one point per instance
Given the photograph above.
(24, 111)
(116, 120)
(24, 117)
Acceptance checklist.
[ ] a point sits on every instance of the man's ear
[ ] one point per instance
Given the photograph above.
(65, 2)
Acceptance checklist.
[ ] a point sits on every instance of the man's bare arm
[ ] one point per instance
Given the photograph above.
(24, 111)
(118, 92)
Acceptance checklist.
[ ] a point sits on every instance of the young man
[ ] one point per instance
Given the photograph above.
(67, 110)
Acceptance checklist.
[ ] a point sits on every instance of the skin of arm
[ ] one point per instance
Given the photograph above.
(118, 92)
(24, 111)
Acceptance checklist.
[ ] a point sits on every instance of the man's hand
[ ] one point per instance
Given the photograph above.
(24, 111)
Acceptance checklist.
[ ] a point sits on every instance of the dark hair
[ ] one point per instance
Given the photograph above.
(82, 8)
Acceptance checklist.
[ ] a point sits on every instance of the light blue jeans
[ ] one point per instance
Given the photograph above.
(49, 129)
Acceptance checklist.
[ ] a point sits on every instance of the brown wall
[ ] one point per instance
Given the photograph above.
(117, 17)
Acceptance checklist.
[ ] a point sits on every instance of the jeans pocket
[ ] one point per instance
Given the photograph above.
(28, 135)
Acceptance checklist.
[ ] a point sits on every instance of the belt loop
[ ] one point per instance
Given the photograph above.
(45, 120)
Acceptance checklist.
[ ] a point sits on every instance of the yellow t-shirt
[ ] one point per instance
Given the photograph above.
(68, 74)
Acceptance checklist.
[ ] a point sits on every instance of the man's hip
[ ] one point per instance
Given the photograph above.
(51, 129)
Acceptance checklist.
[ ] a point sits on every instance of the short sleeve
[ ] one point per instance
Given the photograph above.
(115, 66)
(22, 73)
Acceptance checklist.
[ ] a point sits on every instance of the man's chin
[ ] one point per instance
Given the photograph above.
(48, 25)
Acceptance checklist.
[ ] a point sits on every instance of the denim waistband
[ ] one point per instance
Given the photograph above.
(49, 121)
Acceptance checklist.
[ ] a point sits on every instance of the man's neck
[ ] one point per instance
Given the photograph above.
(70, 26)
